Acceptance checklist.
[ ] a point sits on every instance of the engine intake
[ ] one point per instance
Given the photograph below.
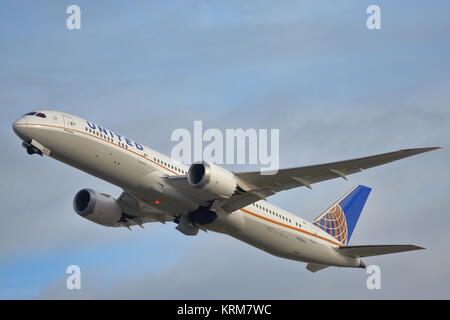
(97, 207)
(84, 202)
(213, 179)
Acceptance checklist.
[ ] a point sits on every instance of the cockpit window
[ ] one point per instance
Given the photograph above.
(30, 113)
(41, 115)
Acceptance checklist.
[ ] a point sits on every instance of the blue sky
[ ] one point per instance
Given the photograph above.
(309, 68)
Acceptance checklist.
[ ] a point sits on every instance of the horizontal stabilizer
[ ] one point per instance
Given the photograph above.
(315, 267)
(369, 251)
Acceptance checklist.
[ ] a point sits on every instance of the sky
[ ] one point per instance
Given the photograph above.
(311, 69)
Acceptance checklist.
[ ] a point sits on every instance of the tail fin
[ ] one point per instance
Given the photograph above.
(341, 218)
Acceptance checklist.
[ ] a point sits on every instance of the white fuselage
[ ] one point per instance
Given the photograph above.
(141, 171)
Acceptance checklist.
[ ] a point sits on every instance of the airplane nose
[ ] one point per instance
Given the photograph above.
(19, 127)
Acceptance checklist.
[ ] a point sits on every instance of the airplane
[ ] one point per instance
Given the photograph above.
(205, 196)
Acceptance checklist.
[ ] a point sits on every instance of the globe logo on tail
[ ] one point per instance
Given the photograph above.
(334, 223)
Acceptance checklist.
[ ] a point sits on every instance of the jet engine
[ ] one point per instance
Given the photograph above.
(213, 179)
(97, 207)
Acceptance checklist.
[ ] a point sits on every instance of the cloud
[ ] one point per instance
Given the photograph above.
(333, 89)
(218, 267)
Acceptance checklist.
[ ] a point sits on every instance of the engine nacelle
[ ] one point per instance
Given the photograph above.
(97, 207)
(213, 179)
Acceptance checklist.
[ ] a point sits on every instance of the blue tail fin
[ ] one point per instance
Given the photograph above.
(341, 218)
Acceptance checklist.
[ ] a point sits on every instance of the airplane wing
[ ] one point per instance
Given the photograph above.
(254, 186)
(377, 250)
(259, 186)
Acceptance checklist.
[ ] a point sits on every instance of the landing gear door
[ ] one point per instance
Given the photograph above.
(69, 124)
